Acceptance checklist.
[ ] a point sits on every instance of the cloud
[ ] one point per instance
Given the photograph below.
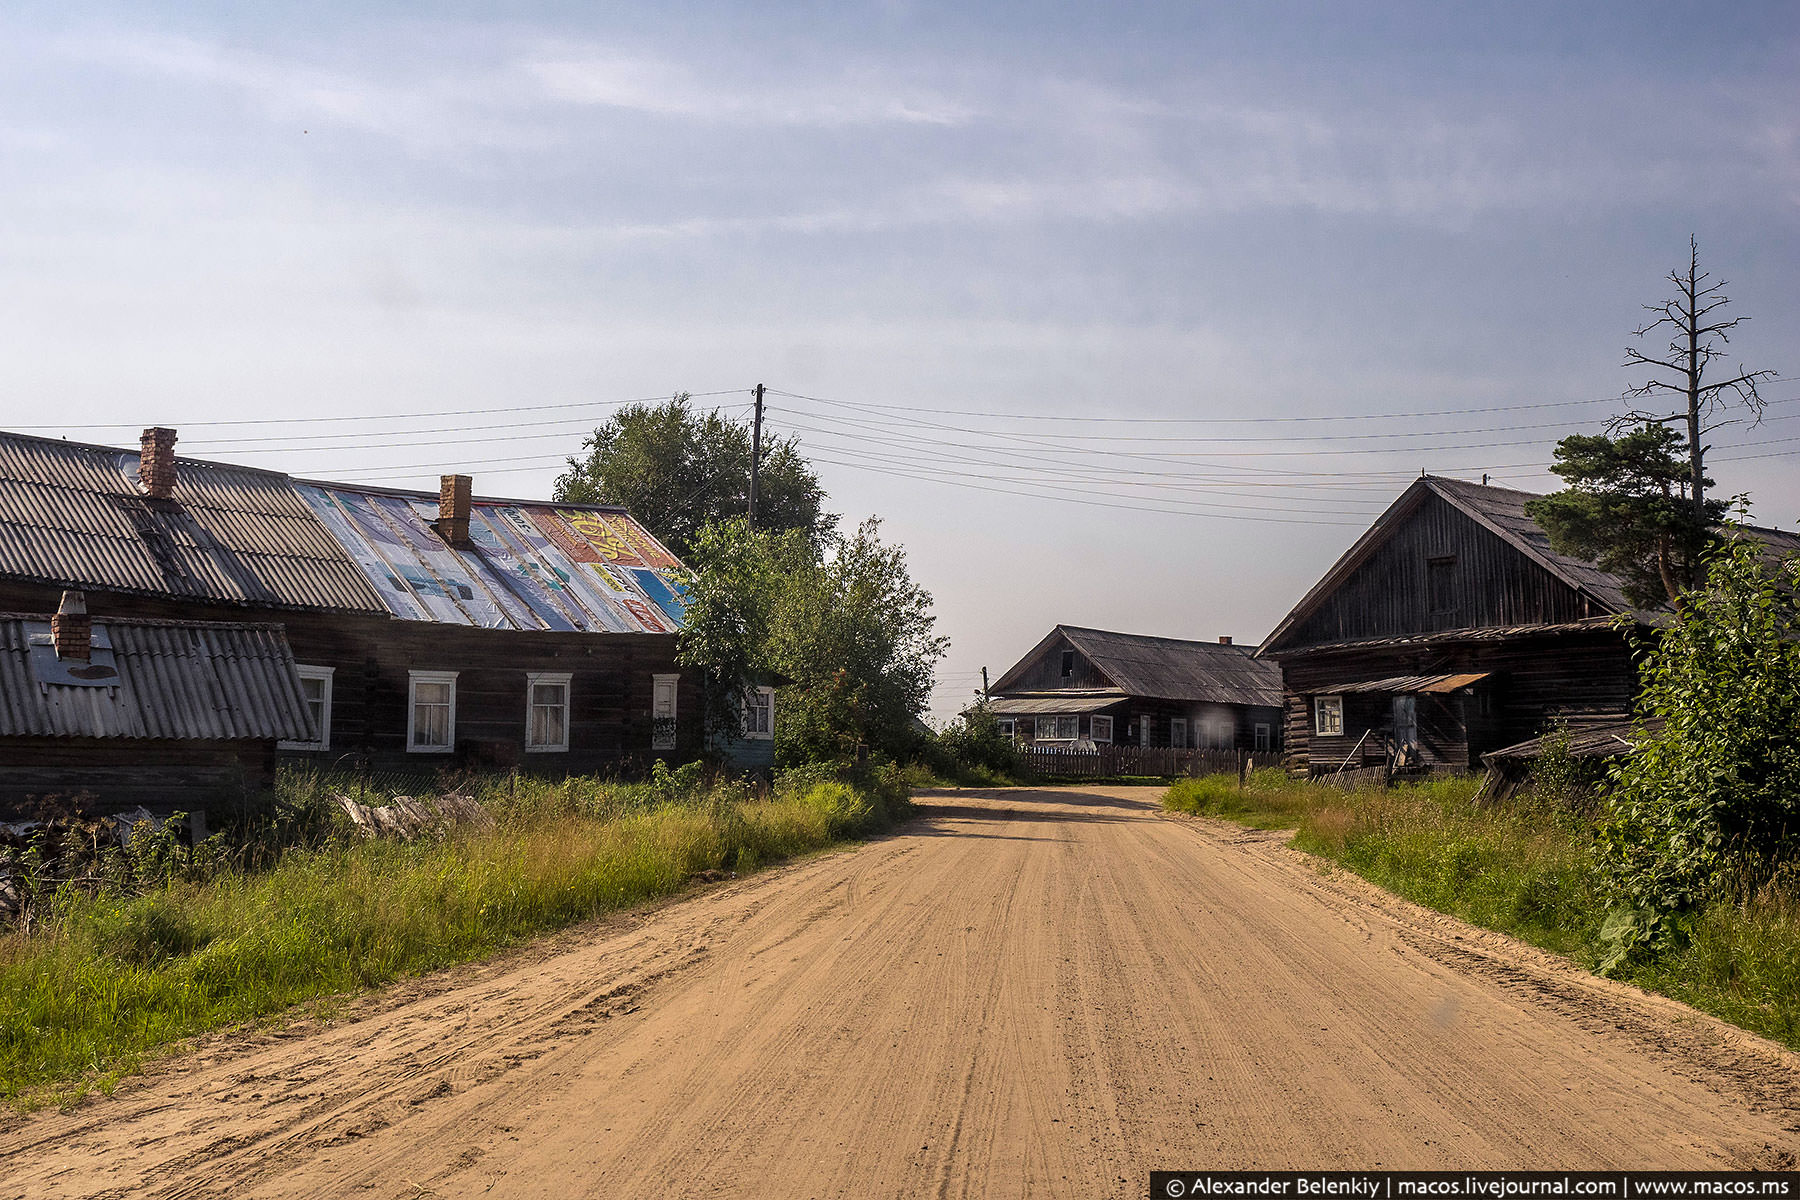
(453, 109)
(661, 88)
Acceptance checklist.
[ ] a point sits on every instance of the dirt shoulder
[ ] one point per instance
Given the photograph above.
(1022, 992)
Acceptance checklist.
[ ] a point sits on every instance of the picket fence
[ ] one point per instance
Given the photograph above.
(1106, 762)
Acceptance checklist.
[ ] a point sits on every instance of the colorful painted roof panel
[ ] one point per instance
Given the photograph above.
(527, 566)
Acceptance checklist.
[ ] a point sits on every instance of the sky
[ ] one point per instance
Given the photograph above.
(1126, 316)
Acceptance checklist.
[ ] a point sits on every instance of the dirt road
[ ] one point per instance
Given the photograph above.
(1042, 993)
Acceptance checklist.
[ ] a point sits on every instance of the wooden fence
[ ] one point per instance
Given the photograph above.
(1106, 762)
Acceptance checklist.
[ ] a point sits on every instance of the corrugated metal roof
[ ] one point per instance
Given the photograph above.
(176, 680)
(1169, 668)
(72, 515)
(528, 566)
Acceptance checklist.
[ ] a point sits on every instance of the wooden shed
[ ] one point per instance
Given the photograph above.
(113, 714)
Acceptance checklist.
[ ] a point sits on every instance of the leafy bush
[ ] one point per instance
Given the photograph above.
(974, 743)
(1712, 798)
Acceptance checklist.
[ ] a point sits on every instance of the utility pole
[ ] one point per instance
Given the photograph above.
(755, 453)
(984, 683)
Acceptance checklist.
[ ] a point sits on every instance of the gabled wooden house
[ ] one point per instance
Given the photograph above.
(1451, 629)
(425, 629)
(1089, 685)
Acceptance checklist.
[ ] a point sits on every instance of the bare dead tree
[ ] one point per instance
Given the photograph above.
(1696, 341)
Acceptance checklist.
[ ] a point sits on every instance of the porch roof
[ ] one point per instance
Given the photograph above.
(1434, 684)
(1069, 702)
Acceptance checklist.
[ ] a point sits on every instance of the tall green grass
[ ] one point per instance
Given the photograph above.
(107, 979)
(1527, 869)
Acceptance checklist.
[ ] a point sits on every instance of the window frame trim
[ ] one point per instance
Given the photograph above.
(767, 735)
(532, 680)
(413, 680)
(1319, 701)
(1095, 737)
(324, 674)
(673, 680)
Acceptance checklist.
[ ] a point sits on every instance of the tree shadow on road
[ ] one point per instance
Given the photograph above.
(947, 815)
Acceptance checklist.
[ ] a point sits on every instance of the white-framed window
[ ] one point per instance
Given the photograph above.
(1178, 732)
(1057, 729)
(1007, 729)
(1264, 736)
(430, 712)
(1328, 716)
(1146, 727)
(315, 686)
(546, 712)
(1102, 729)
(759, 713)
(663, 692)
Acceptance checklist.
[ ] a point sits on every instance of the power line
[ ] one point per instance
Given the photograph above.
(462, 412)
(1443, 412)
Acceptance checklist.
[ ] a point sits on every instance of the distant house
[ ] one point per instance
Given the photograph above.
(1451, 629)
(425, 628)
(121, 713)
(1082, 685)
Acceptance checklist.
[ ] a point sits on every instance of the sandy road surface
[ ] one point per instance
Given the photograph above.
(1040, 993)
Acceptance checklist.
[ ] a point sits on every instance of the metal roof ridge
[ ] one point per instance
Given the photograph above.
(379, 489)
(137, 452)
(1158, 637)
(158, 622)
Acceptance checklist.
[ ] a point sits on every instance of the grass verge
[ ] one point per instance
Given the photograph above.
(108, 979)
(1526, 869)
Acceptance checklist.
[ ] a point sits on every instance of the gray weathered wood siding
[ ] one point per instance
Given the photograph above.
(1044, 673)
(1581, 677)
(1489, 581)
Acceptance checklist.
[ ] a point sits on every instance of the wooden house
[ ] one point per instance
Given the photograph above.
(1451, 629)
(425, 629)
(1089, 685)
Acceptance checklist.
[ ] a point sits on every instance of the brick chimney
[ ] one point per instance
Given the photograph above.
(71, 629)
(1224, 640)
(453, 509)
(156, 463)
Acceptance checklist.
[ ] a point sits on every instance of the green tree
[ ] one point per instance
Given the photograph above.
(1714, 788)
(840, 616)
(678, 469)
(1627, 510)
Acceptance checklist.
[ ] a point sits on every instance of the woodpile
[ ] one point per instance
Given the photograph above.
(408, 817)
